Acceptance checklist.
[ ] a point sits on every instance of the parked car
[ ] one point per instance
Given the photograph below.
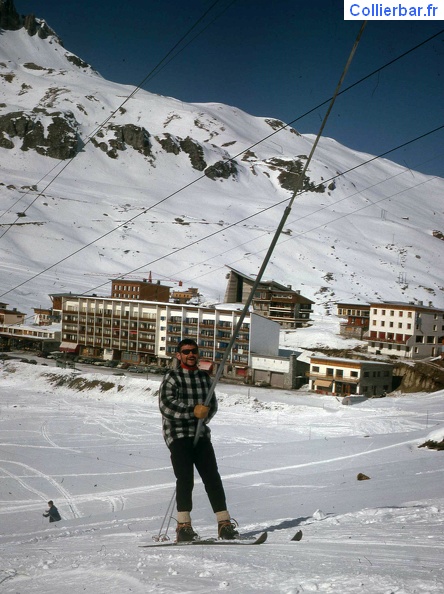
(138, 369)
(122, 365)
(155, 369)
(64, 364)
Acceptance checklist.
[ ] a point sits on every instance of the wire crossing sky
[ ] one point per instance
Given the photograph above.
(274, 60)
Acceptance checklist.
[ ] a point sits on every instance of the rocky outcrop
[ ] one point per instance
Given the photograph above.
(195, 153)
(10, 20)
(127, 135)
(290, 173)
(50, 134)
(221, 169)
(169, 143)
(420, 377)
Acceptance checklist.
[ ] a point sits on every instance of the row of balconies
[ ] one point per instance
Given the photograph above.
(107, 315)
(383, 337)
(332, 378)
(120, 345)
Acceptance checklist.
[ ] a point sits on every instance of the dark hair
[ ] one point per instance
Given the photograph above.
(186, 341)
(51, 502)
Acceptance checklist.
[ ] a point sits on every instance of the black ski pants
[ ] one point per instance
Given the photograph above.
(184, 456)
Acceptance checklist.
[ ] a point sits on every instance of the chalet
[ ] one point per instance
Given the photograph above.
(9, 318)
(185, 296)
(344, 377)
(271, 300)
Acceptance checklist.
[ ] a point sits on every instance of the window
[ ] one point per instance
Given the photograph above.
(354, 374)
(399, 324)
(339, 373)
(382, 323)
(392, 313)
(401, 313)
(315, 368)
(330, 370)
(391, 324)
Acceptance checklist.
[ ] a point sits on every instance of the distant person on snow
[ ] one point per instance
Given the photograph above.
(52, 513)
(181, 401)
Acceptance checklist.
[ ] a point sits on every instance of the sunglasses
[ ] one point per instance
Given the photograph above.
(189, 351)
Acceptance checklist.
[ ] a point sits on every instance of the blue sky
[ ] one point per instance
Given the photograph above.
(275, 59)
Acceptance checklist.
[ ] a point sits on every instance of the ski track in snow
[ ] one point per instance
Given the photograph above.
(117, 481)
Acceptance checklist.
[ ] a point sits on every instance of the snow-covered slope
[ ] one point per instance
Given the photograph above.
(141, 194)
(289, 461)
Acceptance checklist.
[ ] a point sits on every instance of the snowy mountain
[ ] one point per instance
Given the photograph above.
(98, 181)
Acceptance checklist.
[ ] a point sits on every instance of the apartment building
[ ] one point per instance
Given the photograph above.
(9, 320)
(271, 299)
(357, 319)
(140, 290)
(148, 331)
(344, 377)
(406, 330)
(10, 316)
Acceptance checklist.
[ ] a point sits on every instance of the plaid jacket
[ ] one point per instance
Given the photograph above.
(179, 392)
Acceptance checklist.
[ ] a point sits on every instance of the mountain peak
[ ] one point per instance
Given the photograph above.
(10, 20)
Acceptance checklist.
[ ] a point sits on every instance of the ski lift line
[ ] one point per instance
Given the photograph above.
(221, 366)
(202, 176)
(330, 107)
(323, 225)
(90, 137)
(200, 275)
(209, 236)
(255, 144)
(214, 233)
(275, 238)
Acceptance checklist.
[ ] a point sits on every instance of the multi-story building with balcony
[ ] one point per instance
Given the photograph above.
(10, 316)
(345, 377)
(405, 330)
(148, 331)
(357, 318)
(272, 300)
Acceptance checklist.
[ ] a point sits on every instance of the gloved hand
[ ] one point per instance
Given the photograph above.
(201, 411)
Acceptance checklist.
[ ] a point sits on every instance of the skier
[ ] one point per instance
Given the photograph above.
(52, 513)
(181, 396)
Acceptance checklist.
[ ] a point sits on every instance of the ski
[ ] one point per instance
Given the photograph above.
(209, 541)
